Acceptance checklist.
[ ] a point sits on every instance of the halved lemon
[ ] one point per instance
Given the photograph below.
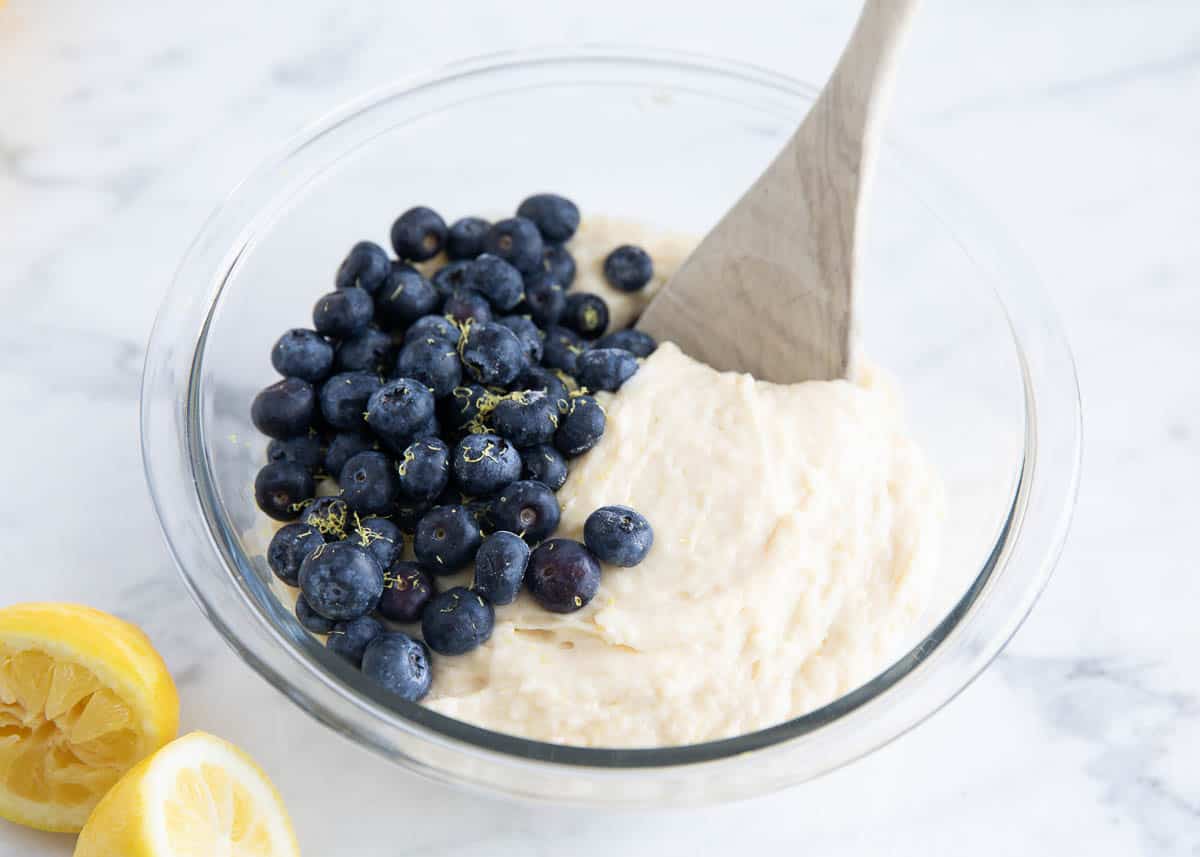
(198, 796)
(83, 698)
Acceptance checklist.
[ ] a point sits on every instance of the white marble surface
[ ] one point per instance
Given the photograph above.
(122, 124)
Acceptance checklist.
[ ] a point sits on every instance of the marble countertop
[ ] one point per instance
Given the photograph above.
(121, 126)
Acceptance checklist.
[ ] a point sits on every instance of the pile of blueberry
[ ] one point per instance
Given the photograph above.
(445, 408)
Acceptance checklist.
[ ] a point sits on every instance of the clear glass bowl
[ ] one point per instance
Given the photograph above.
(946, 306)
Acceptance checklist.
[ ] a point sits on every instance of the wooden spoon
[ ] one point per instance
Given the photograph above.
(770, 289)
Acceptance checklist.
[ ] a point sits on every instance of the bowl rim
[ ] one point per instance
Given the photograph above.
(1047, 491)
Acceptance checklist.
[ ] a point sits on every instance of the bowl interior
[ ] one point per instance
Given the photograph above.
(667, 153)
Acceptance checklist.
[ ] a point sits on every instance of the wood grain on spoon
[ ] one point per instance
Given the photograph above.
(770, 290)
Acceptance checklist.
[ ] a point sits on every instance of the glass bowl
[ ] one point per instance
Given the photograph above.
(947, 307)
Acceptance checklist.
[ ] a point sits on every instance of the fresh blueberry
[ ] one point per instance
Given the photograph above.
(446, 540)
(418, 234)
(606, 368)
(544, 464)
(558, 262)
(450, 278)
(541, 379)
(500, 567)
(462, 407)
(586, 314)
(304, 449)
(399, 664)
(634, 341)
(281, 486)
(432, 361)
(465, 239)
(556, 217)
(350, 639)
(406, 591)
(516, 241)
(329, 516)
(457, 621)
(433, 327)
(311, 619)
(343, 313)
(398, 409)
(618, 535)
(368, 351)
(341, 581)
(528, 333)
(285, 409)
(485, 463)
(464, 305)
(492, 354)
(562, 348)
(404, 297)
(496, 280)
(342, 447)
(527, 418)
(527, 508)
(303, 354)
(382, 539)
(545, 300)
(366, 266)
(628, 268)
(344, 399)
(562, 576)
(423, 470)
(580, 428)
(288, 548)
(369, 484)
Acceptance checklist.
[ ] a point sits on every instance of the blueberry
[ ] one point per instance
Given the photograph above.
(496, 280)
(562, 576)
(304, 449)
(529, 335)
(369, 484)
(285, 409)
(433, 327)
(446, 540)
(500, 567)
(562, 348)
(343, 313)
(541, 379)
(606, 368)
(465, 304)
(366, 266)
(432, 361)
(527, 508)
(558, 262)
(580, 428)
(406, 591)
(418, 234)
(556, 217)
(329, 516)
(289, 546)
(545, 300)
(311, 619)
(465, 239)
(367, 351)
(350, 639)
(544, 464)
(303, 354)
(344, 399)
(527, 418)
(457, 621)
(398, 409)
(462, 406)
(485, 463)
(628, 268)
(399, 664)
(404, 297)
(618, 535)
(341, 581)
(492, 354)
(281, 486)
(342, 446)
(634, 341)
(451, 278)
(423, 470)
(516, 241)
(586, 314)
(382, 539)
